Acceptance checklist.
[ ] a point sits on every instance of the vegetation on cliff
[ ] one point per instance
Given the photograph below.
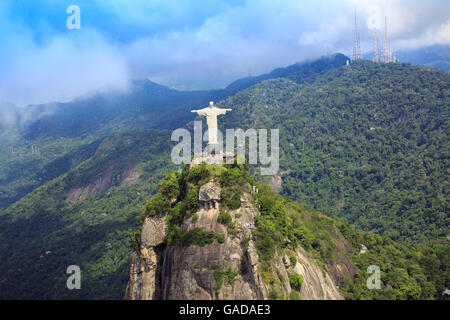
(178, 195)
(407, 272)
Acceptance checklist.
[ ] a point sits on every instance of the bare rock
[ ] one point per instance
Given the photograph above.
(317, 285)
(153, 231)
(363, 249)
(209, 192)
(286, 261)
(143, 284)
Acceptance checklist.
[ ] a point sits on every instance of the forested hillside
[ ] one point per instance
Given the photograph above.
(367, 142)
(70, 132)
(84, 218)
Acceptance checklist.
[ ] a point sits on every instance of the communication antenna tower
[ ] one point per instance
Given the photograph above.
(376, 49)
(387, 49)
(357, 42)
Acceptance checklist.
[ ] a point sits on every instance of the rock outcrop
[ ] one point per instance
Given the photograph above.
(144, 264)
(153, 231)
(209, 195)
(228, 270)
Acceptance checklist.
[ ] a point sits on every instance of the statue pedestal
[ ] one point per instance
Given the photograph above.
(211, 156)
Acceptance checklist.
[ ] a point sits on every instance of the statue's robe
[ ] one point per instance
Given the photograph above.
(211, 120)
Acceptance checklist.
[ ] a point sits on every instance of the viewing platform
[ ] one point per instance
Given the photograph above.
(217, 158)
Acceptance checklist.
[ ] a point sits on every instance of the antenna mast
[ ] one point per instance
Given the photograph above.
(357, 42)
(387, 49)
(376, 50)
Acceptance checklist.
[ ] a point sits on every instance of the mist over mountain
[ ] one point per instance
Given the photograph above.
(437, 56)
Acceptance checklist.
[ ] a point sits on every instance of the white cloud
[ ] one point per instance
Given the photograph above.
(63, 69)
(411, 23)
(261, 35)
(248, 37)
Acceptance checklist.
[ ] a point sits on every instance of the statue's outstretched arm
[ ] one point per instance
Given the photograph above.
(222, 111)
(200, 112)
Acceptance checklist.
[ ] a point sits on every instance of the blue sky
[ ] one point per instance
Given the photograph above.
(187, 44)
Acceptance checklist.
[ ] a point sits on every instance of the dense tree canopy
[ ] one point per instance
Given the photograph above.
(368, 142)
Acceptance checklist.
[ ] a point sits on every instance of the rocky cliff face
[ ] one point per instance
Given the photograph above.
(228, 269)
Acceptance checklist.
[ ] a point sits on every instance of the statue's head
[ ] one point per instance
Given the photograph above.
(211, 104)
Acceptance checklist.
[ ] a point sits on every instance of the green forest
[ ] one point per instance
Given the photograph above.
(367, 142)
(44, 233)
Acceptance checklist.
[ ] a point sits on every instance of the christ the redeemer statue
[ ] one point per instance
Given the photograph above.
(211, 114)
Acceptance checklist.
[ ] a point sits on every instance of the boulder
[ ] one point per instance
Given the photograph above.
(153, 231)
(209, 192)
